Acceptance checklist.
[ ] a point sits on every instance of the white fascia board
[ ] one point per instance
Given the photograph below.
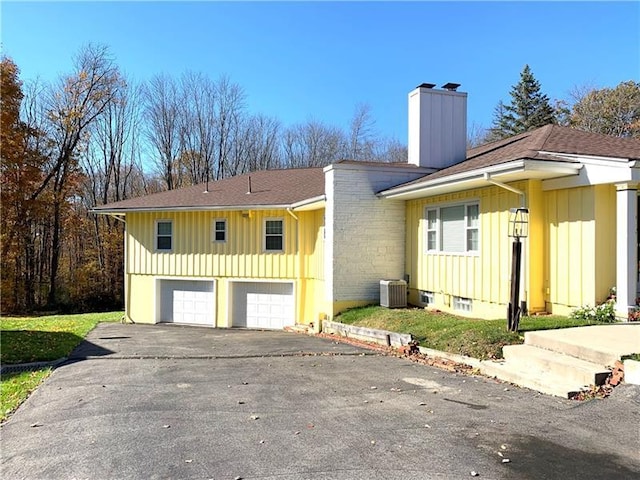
(123, 211)
(314, 203)
(596, 174)
(591, 159)
(470, 178)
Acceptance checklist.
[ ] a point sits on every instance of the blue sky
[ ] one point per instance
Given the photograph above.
(303, 60)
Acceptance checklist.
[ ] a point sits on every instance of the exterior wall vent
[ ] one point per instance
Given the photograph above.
(393, 293)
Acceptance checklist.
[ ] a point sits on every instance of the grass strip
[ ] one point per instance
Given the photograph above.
(39, 339)
(478, 338)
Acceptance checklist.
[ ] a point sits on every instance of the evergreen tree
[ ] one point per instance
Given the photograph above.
(529, 109)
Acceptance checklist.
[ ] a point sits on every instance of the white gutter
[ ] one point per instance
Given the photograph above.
(523, 196)
(122, 211)
(560, 168)
(308, 201)
(455, 178)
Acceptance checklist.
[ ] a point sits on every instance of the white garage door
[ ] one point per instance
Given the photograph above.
(263, 305)
(187, 301)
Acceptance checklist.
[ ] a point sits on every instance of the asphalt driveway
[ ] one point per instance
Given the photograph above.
(170, 402)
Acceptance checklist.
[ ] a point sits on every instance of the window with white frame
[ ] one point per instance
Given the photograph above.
(432, 229)
(273, 235)
(220, 230)
(452, 228)
(164, 235)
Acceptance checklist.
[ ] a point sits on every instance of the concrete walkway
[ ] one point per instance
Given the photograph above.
(611, 342)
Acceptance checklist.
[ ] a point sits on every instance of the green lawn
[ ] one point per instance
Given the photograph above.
(36, 339)
(441, 331)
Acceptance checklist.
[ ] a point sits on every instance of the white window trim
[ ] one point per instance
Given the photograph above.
(264, 234)
(438, 229)
(155, 236)
(428, 230)
(214, 231)
(467, 228)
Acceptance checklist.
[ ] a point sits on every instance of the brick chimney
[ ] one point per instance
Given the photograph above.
(437, 126)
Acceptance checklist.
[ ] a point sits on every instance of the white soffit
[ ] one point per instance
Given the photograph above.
(507, 172)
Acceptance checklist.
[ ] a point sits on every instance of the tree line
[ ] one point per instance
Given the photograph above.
(94, 137)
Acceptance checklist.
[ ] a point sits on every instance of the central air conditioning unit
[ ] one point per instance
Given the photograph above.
(393, 293)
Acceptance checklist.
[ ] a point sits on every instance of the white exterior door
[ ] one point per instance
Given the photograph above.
(263, 305)
(187, 301)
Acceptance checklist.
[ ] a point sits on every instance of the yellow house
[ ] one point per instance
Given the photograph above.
(245, 251)
(581, 190)
(275, 248)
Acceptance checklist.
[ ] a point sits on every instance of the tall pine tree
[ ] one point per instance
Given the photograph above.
(529, 109)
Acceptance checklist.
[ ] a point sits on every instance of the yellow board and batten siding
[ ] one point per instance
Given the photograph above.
(580, 246)
(483, 276)
(242, 256)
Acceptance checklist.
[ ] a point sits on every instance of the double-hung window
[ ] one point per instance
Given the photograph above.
(164, 235)
(452, 229)
(273, 235)
(220, 230)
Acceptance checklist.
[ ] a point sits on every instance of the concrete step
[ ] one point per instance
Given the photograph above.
(572, 342)
(571, 369)
(533, 379)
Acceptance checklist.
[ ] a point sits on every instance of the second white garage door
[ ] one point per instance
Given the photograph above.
(263, 305)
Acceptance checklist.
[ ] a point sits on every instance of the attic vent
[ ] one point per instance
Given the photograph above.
(393, 293)
(452, 87)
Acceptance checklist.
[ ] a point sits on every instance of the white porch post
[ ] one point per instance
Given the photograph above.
(626, 247)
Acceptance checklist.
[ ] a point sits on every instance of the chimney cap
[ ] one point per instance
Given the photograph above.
(426, 85)
(451, 86)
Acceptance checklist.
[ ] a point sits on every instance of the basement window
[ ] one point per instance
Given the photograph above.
(462, 304)
(427, 298)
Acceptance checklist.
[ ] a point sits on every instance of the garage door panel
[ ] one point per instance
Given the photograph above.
(263, 305)
(187, 301)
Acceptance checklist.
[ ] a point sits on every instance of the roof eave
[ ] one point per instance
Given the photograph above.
(312, 203)
(199, 208)
(509, 171)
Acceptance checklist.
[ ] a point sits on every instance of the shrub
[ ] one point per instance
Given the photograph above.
(634, 314)
(603, 313)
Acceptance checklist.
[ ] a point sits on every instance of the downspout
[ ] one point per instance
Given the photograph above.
(523, 204)
(297, 293)
(523, 196)
(126, 268)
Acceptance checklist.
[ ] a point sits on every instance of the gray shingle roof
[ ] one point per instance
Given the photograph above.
(268, 188)
(541, 144)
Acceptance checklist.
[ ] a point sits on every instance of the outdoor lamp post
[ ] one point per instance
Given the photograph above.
(518, 228)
